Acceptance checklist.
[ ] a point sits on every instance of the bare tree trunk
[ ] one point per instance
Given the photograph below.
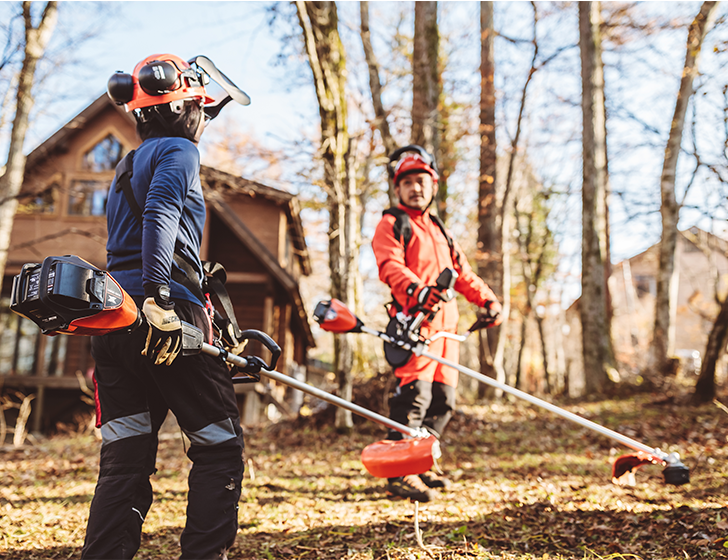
(426, 88)
(534, 245)
(351, 272)
(717, 340)
(489, 261)
(519, 361)
(36, 40)
(544, 355)
(375, 86)
(505, 211)
(607, 231)
(596, 342)
(663, 338)
(319, 23)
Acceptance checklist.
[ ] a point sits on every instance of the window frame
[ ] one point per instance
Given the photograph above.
(97, 138)
(57, 179)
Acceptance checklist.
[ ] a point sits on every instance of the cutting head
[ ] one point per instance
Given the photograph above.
(390, 459)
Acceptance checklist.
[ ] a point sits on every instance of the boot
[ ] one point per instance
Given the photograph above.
(433, 480)
(410, 486)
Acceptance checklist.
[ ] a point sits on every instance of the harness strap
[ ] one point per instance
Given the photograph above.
(402, 230)
(185, 274)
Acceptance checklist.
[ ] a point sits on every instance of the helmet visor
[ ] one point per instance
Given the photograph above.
(231, 92)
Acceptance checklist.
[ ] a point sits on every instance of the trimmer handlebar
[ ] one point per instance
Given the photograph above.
(265, 340)
(193, 342)
(444, 283)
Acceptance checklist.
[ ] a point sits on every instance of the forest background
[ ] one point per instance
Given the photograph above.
(529, 244)
(534, 140)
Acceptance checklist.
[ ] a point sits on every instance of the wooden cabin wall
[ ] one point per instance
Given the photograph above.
(263, 218)
(36, 236)
(225, 248)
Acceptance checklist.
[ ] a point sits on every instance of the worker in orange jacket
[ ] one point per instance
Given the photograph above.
(412, 248)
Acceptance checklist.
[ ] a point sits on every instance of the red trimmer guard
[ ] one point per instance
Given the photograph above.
(628, 464)
(389, 459)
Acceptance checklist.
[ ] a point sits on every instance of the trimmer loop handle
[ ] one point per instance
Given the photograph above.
(265, 340)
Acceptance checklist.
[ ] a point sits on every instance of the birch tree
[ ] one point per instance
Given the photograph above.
(597, 351)
(36, 41)
(663, 337)
(327, 59)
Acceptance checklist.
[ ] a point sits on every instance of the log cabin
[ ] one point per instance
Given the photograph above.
(254, 230)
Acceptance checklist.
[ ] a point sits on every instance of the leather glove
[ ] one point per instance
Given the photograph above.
(230, 341)
(491, 314)
(429, 298)
(164, 338)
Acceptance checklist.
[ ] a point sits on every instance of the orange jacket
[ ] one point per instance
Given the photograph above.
(428, 253)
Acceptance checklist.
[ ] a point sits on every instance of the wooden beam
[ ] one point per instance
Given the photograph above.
(248, 278)
(51, 382)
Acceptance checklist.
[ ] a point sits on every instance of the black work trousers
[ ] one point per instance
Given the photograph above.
(134, 397)
(421, 403)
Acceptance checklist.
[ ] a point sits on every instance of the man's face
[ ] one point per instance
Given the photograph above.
(415, 190)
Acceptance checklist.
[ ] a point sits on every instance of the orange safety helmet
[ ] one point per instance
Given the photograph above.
(159, 79)
(416, 160)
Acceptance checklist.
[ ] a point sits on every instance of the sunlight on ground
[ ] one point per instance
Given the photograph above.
(527, 485)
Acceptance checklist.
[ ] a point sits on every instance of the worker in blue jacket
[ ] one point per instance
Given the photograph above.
(155, 224)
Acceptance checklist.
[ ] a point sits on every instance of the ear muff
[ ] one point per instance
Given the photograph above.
(121, 88)
(158, 77)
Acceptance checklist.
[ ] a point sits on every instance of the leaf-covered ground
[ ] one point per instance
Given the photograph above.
(527, 485)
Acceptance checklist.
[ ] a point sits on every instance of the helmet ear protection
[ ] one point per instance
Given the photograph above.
(421, 160)
(121, 88)
(157, 78)
(167, 80)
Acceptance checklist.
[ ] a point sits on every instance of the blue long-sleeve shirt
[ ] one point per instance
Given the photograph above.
(166, 185)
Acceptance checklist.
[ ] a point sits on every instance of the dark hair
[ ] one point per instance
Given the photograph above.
(160, 121)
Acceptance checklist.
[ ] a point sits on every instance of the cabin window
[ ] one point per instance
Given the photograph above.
(645, 285)
(88, 198)
(19, 347)
(103, 156)
(18, 344)
(43, 202)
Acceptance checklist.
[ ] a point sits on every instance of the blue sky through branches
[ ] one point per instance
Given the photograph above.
(642, 74)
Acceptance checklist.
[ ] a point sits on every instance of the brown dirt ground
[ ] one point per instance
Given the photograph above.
(527, 485)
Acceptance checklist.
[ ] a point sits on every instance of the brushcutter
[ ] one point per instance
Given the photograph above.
(68, 295)
(404, 337)
(385, 459)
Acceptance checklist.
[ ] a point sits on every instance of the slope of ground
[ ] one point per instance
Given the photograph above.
(527, 485)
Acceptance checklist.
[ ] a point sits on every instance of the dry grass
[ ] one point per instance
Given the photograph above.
(527, 485)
